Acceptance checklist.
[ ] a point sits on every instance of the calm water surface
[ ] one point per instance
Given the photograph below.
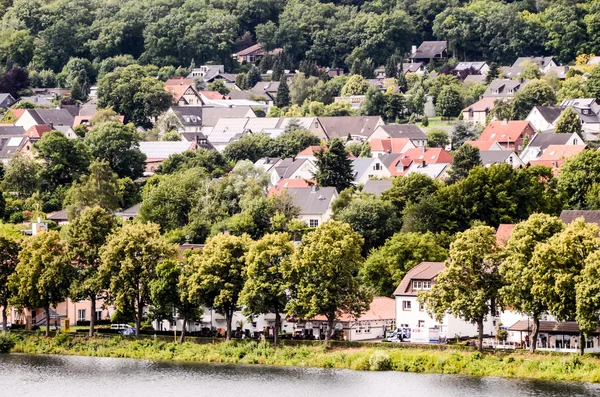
(49, 376)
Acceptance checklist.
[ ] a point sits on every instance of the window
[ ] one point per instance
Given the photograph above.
(406, 305)
(416, 285)
(421, 307)
(377, 167)
(313, 222)
(426, 284)
(98, 315)
(421, 323)
(81, 315)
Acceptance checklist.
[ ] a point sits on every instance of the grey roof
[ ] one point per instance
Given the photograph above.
(542, 61)
(550, 113)
(37, 100)
(475, 78)
(568, 216)
(434, 171)
(467, 65)
(72, 109)
(389, 159)
(360, 165)
(189, 115)
(377, 186)
(6, 100)
(9, 145)
(429, 49)
(489, 157)
(579, 103)
(285, 168)
(544, 139)
(130, 212)
(263, 87)
(52, 116)
(412, 67)
(11, 130)
(235, 94)
(504, 88)
(312, 200)
(511, 71)
(410, 131)
(354, 125)
(59, 216)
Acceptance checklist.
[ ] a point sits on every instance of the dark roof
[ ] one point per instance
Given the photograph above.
(285, 168)
(130, 212)
(377, 186)
(550, 113)
(545, 139)
(410, 131)
(423, 271)
(353, 125)
(235, 94)
(9, 145)
(188, 115)
(542, 61)
(52, 116)
(429, 49)
(72, 109)
(504, 88)
(11, 130)
(494, 156)
(312, 200)
(590, 216)
(390, 158)
(566, 327)
(58, 216)
(263, 87)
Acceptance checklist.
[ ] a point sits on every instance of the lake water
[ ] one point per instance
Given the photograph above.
(49, 376)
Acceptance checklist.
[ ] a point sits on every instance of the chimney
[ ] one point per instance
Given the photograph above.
(51, 126)
(314, 188)
(505, 122)
(414, 49)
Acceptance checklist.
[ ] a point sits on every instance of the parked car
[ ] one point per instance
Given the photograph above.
(8, 326)
(120, 326)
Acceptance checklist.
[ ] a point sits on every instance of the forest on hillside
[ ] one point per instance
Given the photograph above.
(45, 34)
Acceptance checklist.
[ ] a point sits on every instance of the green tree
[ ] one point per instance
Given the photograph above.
(43, 275)
(493, 73)
(410, 189)
(518, 270)
(22, 175)
(266, 286)
(219, 86)
(9, 257)
(85, 236)
(119, 145)
(391, 67)
(568, 123)
(249, 147)
(283, 93)
(168, 292)
(577, 175)
(588, 296)
(593, 83)
(328, 261)
(387, 265)
(334, 168)
(133, 92)
(464, 159)
(356, 85)
(253, 77)
(468, 286)
(463, 132)
(128, 265)
(66, 160)
(374, 103)
(100, 187)
(218, 276)
(437, 137)
(212, 161)
(371, 217)
(535, 93)
(292, 142)
(449, 102)
(558, 264)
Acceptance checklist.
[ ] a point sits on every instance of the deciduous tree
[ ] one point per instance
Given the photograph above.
(464, 159)
(9, 257)
(568, 122)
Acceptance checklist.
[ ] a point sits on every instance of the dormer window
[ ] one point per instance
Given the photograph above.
(417, 285)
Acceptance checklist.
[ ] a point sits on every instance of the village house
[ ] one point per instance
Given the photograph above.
(266, 89)
(478, 112)
(588, 110)
(509, 134)
(410, 131)
(493, 157)
(377, 186)
(473, 79)
(544, 63)
(414, 67)
(412, 319)
(159, 151)
(51, 117)
(6, 100)
(371, 325)
(184, 95)
(589, 216)
(314, 203)
(195, 119)
(253, 53)
(555, 155)
(355, 101)
(358, 128)
(290, 168)
(379, 147)
(485, 145)
(368, 168)
(210, 73)
(481, 68)
(554, 336)
(428, 50)
(541, 141)
(504, 88)
(543, 118)
(9, 145)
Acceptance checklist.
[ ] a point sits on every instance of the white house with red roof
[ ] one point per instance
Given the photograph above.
(184, 95)
(555, 155)
(509, 134)
(379, 147)
(412, 318)
(485, 145)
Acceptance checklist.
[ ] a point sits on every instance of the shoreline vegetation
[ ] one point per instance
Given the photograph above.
(341, 355)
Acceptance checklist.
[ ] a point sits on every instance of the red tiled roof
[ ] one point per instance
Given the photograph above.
(37, 131)
(392, 145)
(430, 156)
(561, 152)
(382, 308)
(423, 271)
(178, 90)
(289, 183)
(503, 233)
(18, 112)
(504, 131)
(214, 95)
(179, 81)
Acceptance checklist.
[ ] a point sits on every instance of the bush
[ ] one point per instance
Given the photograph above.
(7, 342)
(425, 121)
(380, 361)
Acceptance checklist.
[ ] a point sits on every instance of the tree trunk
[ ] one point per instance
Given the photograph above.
(138, 316)
(329, 332)
(93, 313)
(581, 343)
(480, 331)
(276, 330)
(534, 333)
(228, 320)
(182, 339)
(47, 310)
(4, 318)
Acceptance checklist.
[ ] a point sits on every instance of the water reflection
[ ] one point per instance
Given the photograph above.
(25, 375)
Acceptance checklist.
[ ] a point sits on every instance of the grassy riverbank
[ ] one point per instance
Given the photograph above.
(365, 357)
